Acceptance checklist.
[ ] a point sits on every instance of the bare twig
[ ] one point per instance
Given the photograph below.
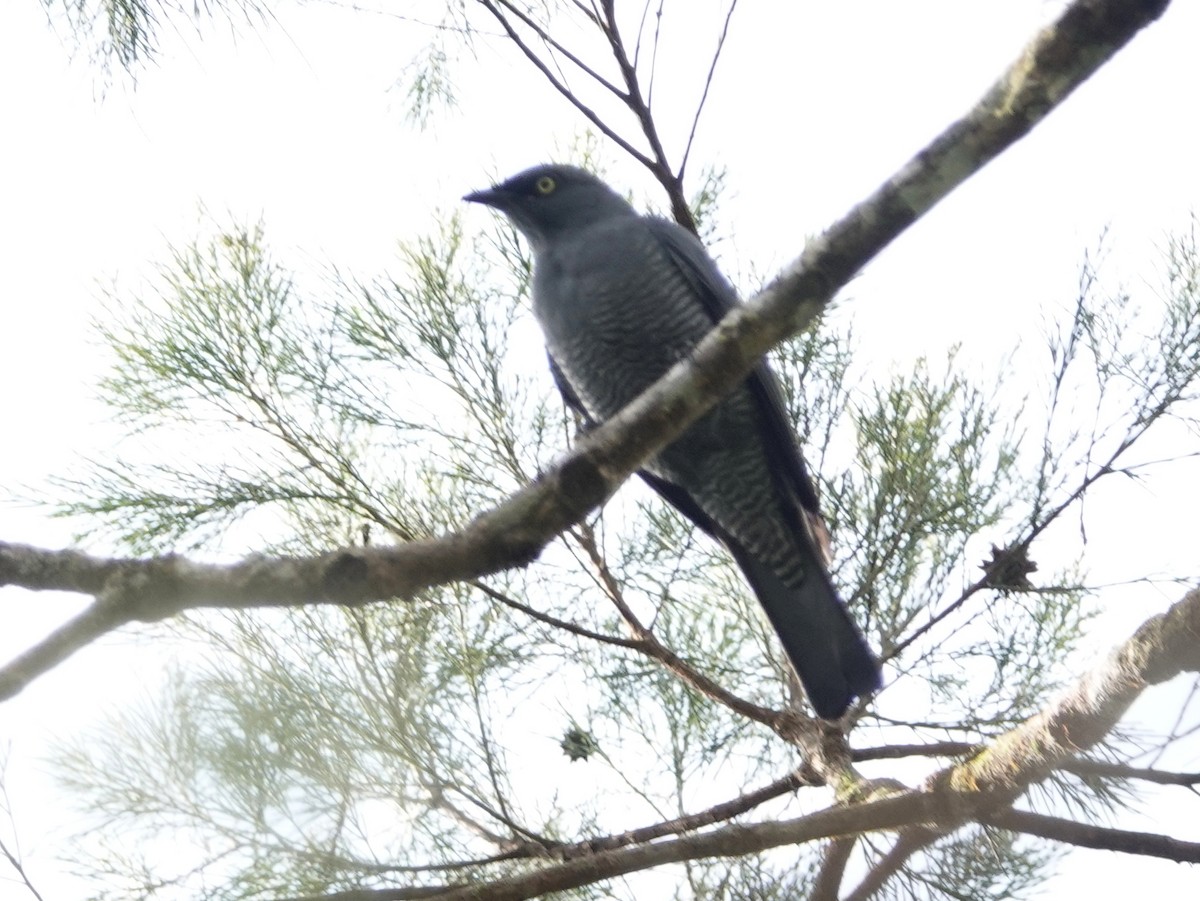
(558, 85)
(650, 645)
(14, 860)
(549, 40)
(546, 618)
(501, 816)
(708, 80)
(690, 822)
(660, 166)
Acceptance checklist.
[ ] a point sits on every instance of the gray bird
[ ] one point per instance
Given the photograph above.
(622, 297)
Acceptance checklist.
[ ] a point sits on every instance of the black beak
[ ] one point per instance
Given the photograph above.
(488, 196)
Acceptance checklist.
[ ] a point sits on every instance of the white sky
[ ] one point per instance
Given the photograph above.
(813, 106)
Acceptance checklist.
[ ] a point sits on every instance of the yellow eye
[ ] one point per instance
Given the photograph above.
(545, 185)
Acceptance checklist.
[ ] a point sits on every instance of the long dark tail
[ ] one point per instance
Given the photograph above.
(830, 655)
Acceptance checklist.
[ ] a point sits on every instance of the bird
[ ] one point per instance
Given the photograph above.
(620, 298)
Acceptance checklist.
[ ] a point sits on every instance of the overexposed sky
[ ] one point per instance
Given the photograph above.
(814, 104)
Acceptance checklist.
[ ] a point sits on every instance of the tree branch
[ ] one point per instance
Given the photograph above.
(833, 869)
(728, 841)
(1060, 58)
(979, 790)
(726, 810)
(907, 844)
(1106, 770)
(1084, 835)
(708, 80)
(930, 749)
(587, 112)
(1163, 647)
(547, 619)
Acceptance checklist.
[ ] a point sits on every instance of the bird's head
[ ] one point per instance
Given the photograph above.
(547, 201)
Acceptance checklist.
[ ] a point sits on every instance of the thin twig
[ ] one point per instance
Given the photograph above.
(14, 861)
(727, 810)
(565, 625)
(549, 40)
(650, 645)
(660, 167)
(708, 80)
(1083, 767)
(587, 112)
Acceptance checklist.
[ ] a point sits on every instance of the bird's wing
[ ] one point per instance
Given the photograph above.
(570, 398)
(718, 298)
(672, 494)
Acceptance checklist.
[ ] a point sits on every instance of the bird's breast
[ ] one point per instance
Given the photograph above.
(616, 314)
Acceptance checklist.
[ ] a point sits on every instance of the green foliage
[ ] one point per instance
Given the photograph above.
(483, 728)
(324, 749)
(1121, 364)
(128, 32)
(301, 785)
(931, 469)
(291, 410)
(427, 84)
